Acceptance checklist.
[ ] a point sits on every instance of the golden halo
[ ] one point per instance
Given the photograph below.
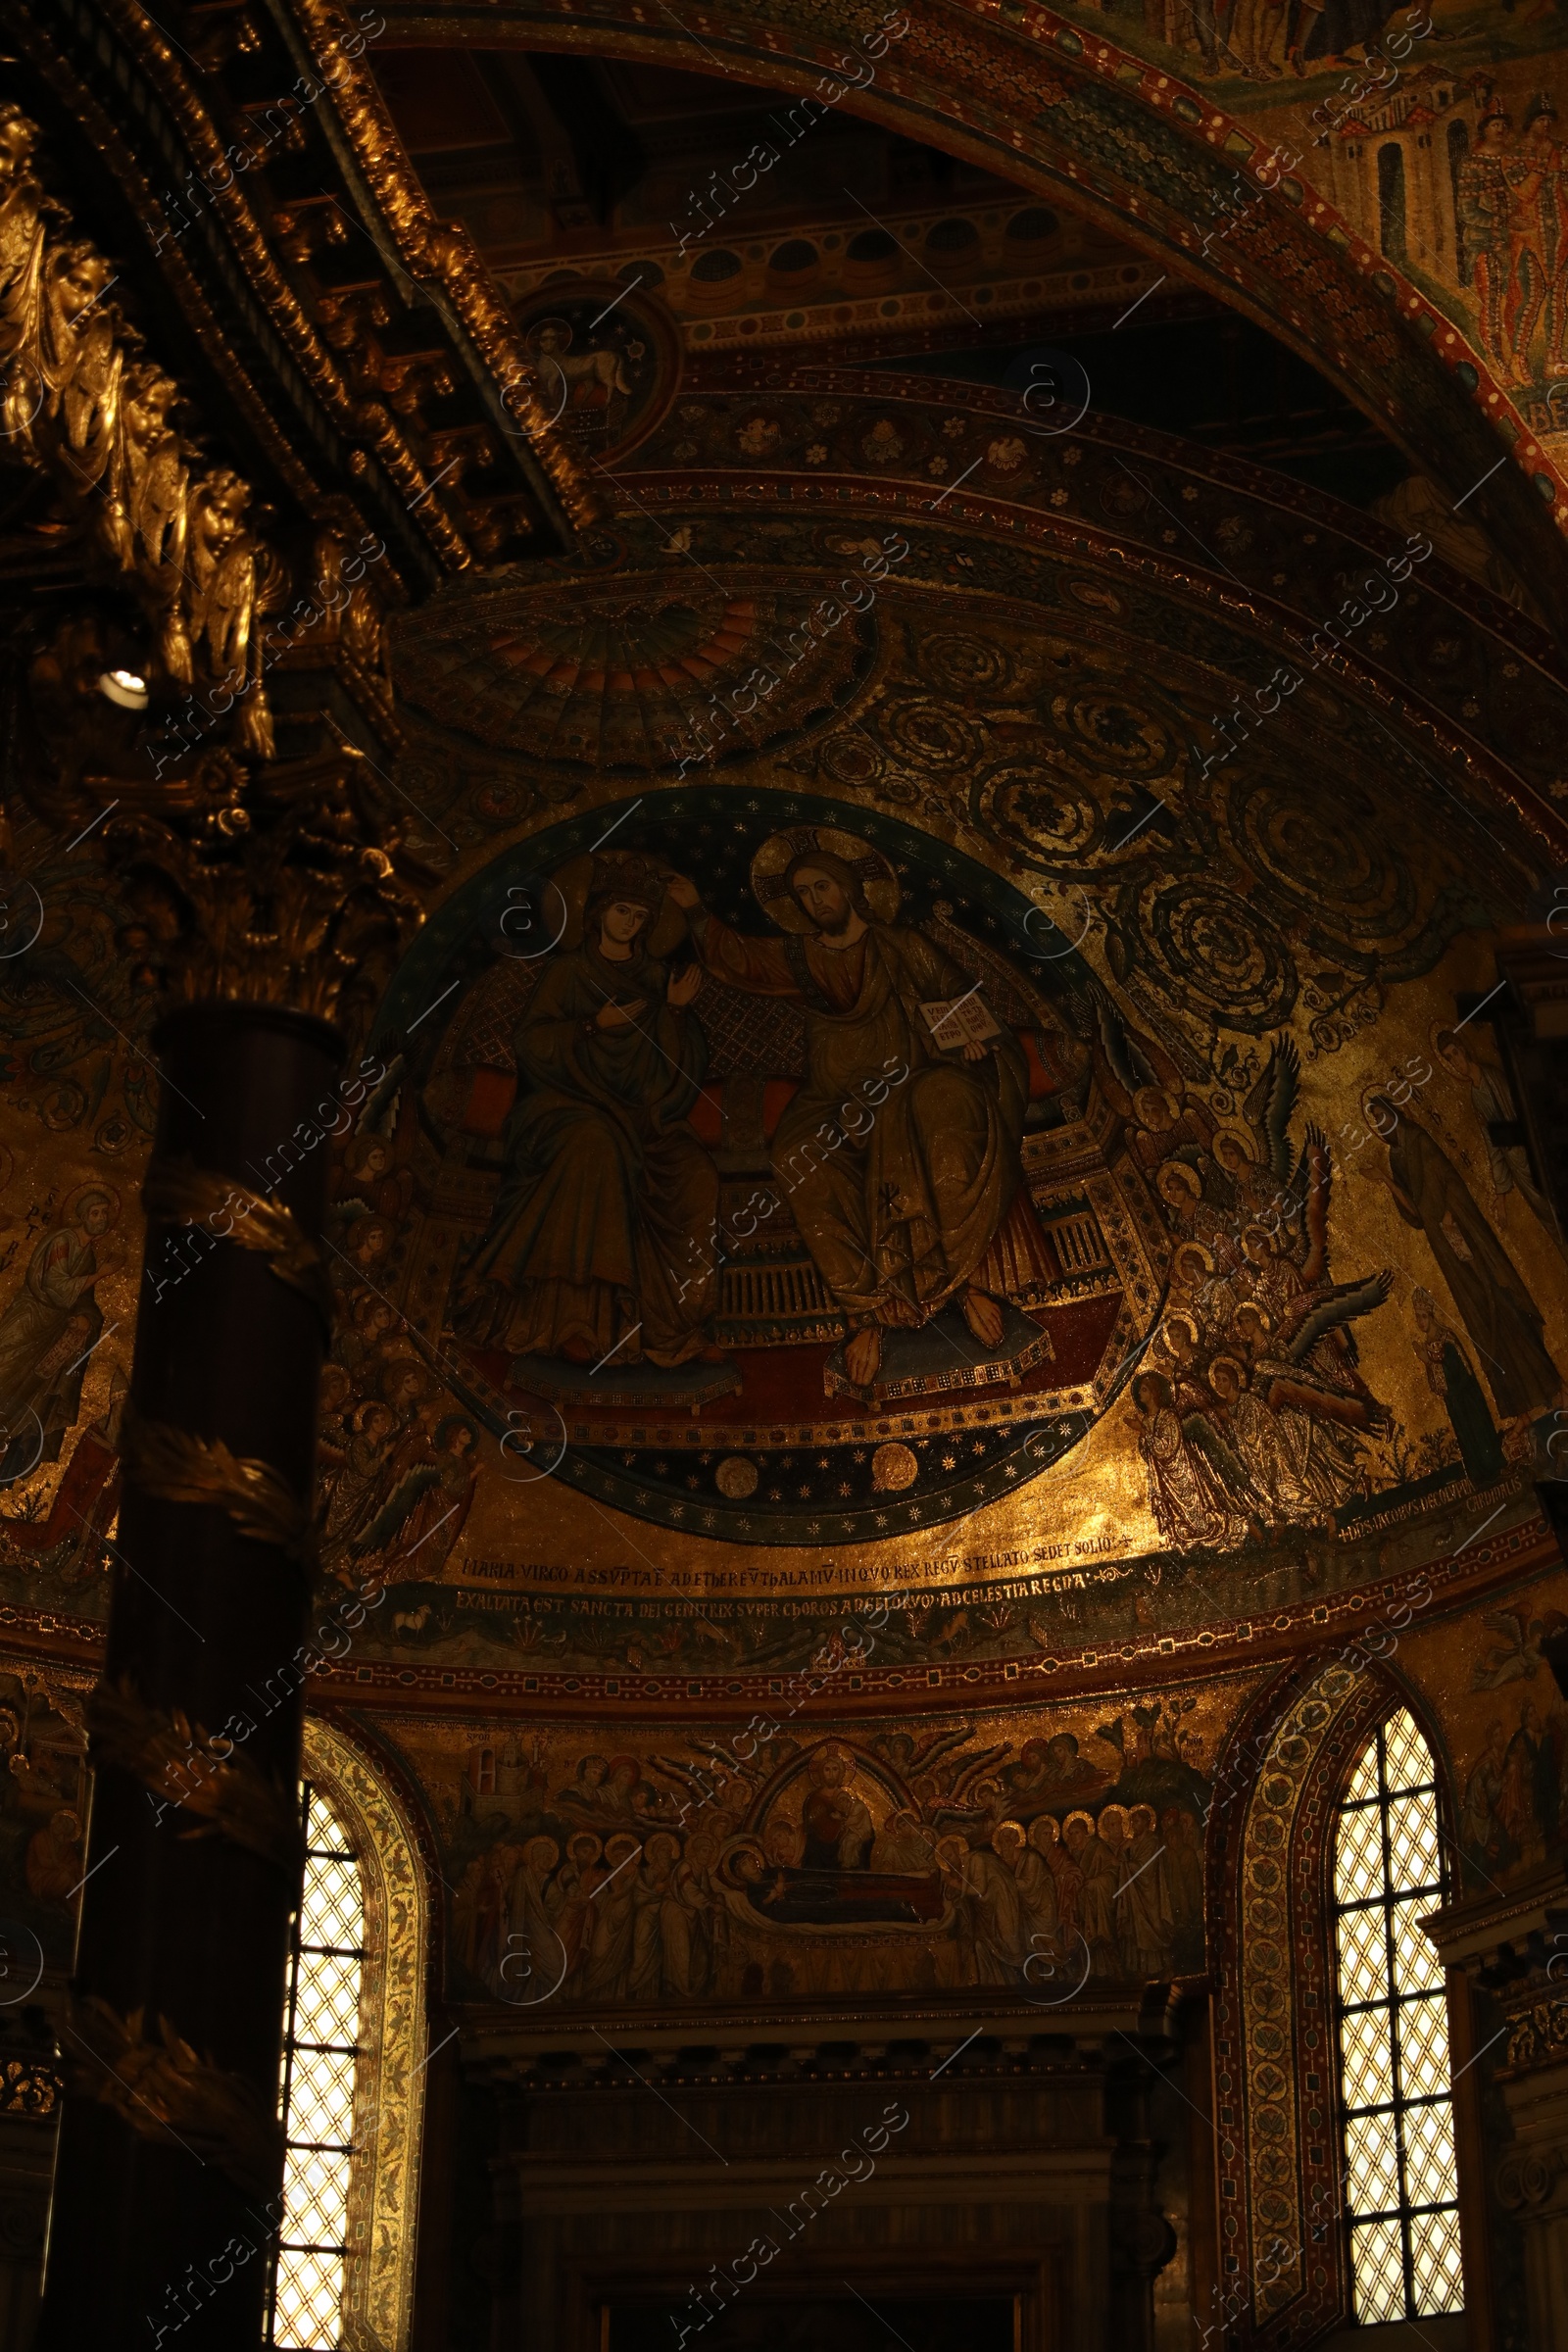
(86, 1191)
(1186, 1249)
(666, 923)
(535, 334)
(876, 877)
(1169, 1169)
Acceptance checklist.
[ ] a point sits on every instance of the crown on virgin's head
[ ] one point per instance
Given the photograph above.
(627, 874)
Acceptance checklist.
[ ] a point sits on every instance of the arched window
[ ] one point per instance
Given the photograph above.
(321, 2062)
(353, 2064)
(1400, 2182)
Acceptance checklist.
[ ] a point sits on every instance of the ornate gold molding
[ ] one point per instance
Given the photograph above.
(159, 2086)
(1538, 2034)
(228, 1793)
(439, 253)
(81, 403)
(274, 889)
(29, 2085)
(390, 2078)
(1267, 1981)
(178, 1193)
(177, 1466)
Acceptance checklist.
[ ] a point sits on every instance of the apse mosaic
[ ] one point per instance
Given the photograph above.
(774, 1200)
(946, 1135)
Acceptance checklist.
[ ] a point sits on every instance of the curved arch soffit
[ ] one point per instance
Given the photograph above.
(389, 2084)
(1061, 110)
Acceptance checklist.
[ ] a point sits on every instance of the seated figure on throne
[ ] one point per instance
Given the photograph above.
(601, 1242)
(900, 1156)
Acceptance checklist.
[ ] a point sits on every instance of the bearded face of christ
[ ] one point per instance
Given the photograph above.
(822, 899)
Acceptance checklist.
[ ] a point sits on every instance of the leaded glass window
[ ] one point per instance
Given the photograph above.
(1402, 2186)
(320, 2059)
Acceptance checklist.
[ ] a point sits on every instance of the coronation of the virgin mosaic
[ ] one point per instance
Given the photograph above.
(783, 1176)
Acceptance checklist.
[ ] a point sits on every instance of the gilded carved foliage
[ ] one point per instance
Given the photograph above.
(275, 886)
(281, 888)
(82, 401)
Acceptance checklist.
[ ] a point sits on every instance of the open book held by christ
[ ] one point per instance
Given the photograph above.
(960, 1020)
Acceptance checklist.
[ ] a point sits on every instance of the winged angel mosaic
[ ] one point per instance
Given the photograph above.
(1252, 1408)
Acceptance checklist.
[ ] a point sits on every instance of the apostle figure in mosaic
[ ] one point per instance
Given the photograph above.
(900, 1156)
(1484, 207)
(1496, 1302)
(1538, 239)
(602, 1239)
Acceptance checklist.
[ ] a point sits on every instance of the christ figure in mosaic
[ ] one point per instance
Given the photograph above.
(900, 1156)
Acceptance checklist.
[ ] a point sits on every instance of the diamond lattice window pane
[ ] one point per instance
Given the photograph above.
(1401, 2158)
(1364, 1956)
(1407, 1759)
(322, 2104)
(1358, 1856)
(310, 2300)
(1413, 1856)
(1424, 2047)
(322, 2061)
(1416, 1966)
(326, 1831)
(332, 1912)
(316, 2197)
(328, 2008)
(1439, 2276)
(1377, 2261)
(1431, 2174)
(1372, 2164)
(1367, 2051)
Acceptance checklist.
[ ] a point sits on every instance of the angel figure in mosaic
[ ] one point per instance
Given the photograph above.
(1254, 1154)
(1253, 1408)
(1187, 1488)
(1309, 1364)
(1261, 1443)
(424, 1513)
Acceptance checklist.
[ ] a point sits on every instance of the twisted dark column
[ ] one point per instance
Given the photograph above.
(169, 2167)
